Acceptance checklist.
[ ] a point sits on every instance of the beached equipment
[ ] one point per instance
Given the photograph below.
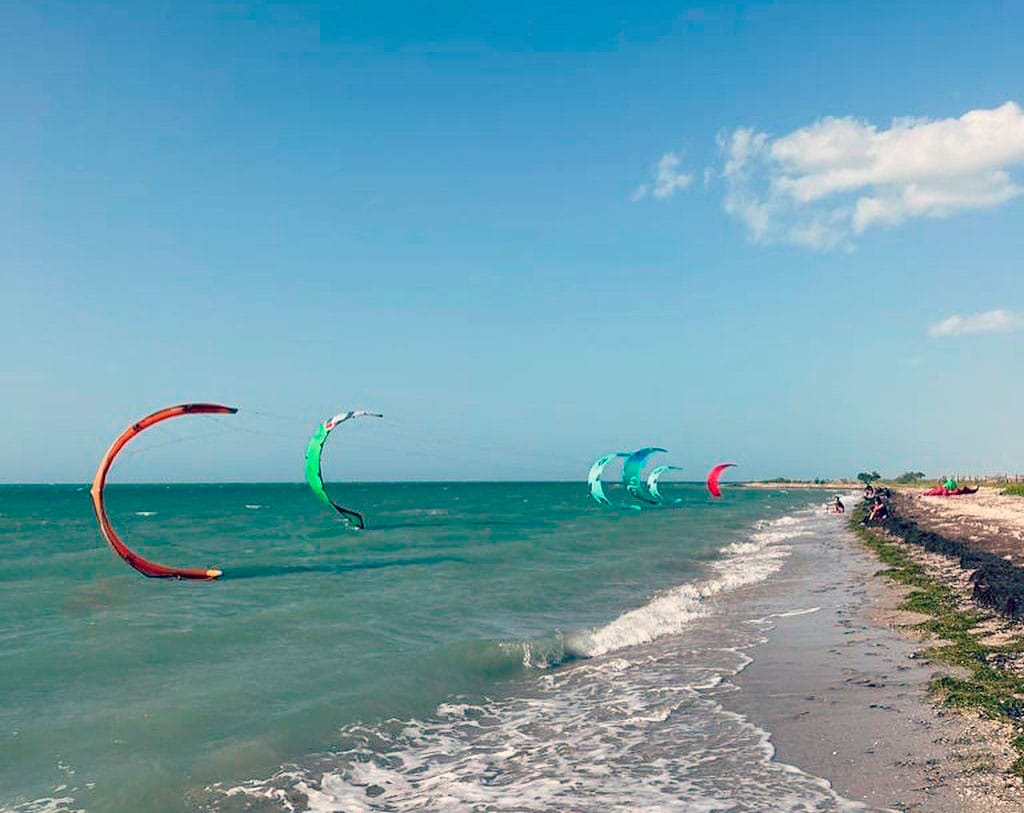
(944, 491)
(314, 472)
(632, 473)
(713, 475)
(140, 563)
(594, 477)
(654, 476)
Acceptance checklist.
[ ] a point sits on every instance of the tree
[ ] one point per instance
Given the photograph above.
(868, 478)
(910, 477)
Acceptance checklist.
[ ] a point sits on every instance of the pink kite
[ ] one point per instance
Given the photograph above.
(713, 476)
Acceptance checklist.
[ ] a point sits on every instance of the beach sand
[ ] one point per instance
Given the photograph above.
(987, 520)
(845, 697)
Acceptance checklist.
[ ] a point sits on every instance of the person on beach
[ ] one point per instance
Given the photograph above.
(838, 506)
(879, 511)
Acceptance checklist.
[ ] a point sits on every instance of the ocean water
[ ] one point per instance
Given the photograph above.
(500, 646)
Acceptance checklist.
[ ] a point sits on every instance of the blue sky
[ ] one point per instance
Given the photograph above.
(451, 212)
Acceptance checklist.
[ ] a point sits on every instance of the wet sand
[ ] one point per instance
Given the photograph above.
(844, 696)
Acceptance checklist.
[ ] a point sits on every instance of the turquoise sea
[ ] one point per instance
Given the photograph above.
(480, 646)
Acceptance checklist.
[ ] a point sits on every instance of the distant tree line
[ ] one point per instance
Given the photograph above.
(868, 477)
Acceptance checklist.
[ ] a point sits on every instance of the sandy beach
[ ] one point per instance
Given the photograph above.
(988, 520)
(845, 689)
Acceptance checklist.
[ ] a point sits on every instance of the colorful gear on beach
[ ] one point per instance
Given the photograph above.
(314, 473)
(632, 473)
(140, 563)
(713, 475)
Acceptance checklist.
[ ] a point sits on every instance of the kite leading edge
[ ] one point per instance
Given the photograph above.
(314, 472)
(140, 563)
(632, 473)
(594, 477)
(654, 476)
(713, 475)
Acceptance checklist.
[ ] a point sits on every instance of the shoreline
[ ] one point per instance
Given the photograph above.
(862, 690)
(830, 485)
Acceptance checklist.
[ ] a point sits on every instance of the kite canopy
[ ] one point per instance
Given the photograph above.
(141, 564)
(594, 477)
(632, 473)
(314, 473)
(713, 476)
(654, 476)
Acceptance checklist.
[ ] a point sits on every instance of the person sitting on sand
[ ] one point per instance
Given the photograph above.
(869, 491)
(838, 506)
(879, 511)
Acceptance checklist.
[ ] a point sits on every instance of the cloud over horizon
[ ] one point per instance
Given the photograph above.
(822, 185)
(995, 321)
(667, 179)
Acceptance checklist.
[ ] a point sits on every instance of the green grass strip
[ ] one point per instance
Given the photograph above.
(989, 688)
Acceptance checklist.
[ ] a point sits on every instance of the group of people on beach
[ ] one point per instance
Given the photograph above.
(876, 501)
(877, 504)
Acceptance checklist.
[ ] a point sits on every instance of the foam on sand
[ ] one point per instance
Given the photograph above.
(637, 726)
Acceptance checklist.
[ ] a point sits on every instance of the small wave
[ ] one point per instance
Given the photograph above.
(419, 512)
(647, 733)
(253, 506)
(45, 804)
(145, 513)
(790, 614)
(794, 613)
(639, 729)
(670, 612)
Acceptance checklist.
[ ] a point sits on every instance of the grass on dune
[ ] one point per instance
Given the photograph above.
(989, 688)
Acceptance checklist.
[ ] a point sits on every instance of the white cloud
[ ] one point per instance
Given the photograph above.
(822, 185)
(667, 179)
(997, 321)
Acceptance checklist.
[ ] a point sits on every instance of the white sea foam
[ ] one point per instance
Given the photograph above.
(790, 614)
(645, 733)
(641, 729)
(669, 612)
(145, 513)
(45, 804)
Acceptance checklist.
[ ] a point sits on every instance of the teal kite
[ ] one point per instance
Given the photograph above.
(632, 473)
(654, 476)
(594, 478)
